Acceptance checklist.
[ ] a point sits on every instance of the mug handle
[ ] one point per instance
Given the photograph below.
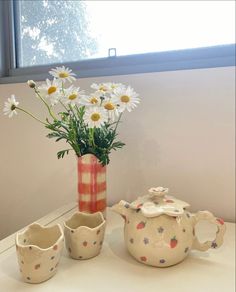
(217, 242)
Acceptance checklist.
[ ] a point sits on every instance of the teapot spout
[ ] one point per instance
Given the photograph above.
(121, 208)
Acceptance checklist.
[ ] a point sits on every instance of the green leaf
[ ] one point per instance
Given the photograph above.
(61, 153)
(71, 128)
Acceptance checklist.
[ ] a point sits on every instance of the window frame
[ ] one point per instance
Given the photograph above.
(186, 59)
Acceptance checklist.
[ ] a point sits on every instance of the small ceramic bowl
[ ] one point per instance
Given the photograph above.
(39, 251)
(84, 235)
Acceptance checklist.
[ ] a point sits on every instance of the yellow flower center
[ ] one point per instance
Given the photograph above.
(109, 106)
(63, 74)
(95, 117)
(52, 89)
(125, 98)
(93, 100)
(72, 96)
(102, 88)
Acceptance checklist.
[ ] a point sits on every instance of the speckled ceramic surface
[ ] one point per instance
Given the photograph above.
(157, 203)
(160, 232)
(39, 251)
(84, 235)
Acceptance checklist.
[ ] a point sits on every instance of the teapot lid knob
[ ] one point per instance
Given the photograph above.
(157, 192)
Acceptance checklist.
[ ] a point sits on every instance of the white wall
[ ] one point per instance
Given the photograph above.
(181, 136)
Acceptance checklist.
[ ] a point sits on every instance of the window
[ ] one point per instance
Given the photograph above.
(136, 33)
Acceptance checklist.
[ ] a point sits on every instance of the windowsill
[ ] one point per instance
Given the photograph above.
(209, 57)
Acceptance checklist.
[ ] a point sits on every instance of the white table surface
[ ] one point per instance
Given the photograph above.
(115, 270)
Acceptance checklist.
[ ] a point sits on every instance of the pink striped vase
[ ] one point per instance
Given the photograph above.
(91, 184)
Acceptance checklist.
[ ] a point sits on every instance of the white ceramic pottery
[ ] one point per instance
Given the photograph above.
(39, 250)
(84, 235)
(160, 232)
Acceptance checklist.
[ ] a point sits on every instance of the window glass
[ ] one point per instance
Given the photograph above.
(65, 31)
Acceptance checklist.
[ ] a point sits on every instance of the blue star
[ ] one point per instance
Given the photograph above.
(160, 229)
(214, 244)
(146, 240)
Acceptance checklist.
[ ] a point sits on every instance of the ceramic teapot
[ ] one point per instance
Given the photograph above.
(160, 232)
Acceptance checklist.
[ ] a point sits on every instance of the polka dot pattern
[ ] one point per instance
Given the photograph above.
(84, 242)
(156, 244)
(36, 263)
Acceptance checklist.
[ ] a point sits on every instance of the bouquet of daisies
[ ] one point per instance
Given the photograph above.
(87, 122)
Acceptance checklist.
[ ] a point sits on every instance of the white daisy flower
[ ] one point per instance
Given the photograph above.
(95, 117)
(63, 73)
(50, 90)
(72, 95)
(10, 106)
(92, 100)
(112, 108)
(113, 86)
(126, 98)
(101, 88)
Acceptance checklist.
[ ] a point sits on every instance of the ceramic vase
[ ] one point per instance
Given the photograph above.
(91, 184)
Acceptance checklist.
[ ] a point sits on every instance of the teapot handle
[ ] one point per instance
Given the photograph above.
(217, 242)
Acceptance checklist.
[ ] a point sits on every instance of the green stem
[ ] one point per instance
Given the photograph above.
(102, 99)
(76, 147)
(71, 108)
(93, 129)
(48, 107)
(77, 110)
(26, 112)
(64, 106)
(91, 137)
(118, 121)
(62, 87)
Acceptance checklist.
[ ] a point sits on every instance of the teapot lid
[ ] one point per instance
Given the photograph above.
(157, 203)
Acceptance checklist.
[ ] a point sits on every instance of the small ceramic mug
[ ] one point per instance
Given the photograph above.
(84, 235)
(39, 251)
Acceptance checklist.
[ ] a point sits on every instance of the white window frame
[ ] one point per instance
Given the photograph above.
(206, 57)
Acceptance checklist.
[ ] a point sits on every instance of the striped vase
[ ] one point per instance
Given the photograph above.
(91, 184)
